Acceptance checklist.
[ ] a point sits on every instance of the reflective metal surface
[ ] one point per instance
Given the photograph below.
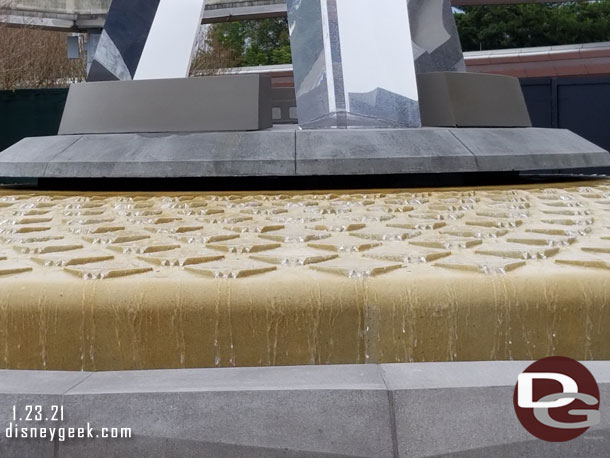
(147, 39)
(353, 63)
(436, 43)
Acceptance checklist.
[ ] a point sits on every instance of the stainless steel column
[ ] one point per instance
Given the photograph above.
(353, 63)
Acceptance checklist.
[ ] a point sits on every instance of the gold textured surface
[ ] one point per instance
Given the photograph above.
(100, 281)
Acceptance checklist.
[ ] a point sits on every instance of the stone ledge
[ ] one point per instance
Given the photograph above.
(309, 411)
(287, 152)
(152, 155)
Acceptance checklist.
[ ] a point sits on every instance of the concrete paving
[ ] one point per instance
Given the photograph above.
(389, 410)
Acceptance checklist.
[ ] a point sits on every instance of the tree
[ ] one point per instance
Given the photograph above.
(518, 26)
(250, 43)
(266, 42)
(213, 58)
(32, 58)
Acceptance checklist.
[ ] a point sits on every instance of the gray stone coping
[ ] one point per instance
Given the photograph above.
(286, 152)
(388, 410)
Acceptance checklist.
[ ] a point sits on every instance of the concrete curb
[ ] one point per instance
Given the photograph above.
(389, 410)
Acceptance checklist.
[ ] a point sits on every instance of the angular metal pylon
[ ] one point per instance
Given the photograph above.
(353, 63)
(147, 39)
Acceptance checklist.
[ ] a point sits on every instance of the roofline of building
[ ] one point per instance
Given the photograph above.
(577, 59)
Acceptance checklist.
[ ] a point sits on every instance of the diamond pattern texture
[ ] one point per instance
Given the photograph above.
(101, 281)
(481, 231)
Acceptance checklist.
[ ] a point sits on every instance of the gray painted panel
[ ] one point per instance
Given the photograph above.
(218, 103)
(471, 100)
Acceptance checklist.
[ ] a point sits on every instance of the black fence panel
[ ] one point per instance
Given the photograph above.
(30, 113)
(580, 104)
(539, 98)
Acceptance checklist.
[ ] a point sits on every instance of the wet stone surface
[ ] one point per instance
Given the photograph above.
(478, 231)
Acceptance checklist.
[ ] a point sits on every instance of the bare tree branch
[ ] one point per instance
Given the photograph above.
(33, 58)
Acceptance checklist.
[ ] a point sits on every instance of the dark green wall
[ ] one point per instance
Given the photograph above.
(30, 113)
